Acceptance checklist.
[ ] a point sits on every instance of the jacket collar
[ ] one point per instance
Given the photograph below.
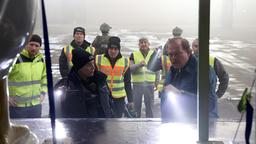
(84, 45)
(190, 66)
(24, 52)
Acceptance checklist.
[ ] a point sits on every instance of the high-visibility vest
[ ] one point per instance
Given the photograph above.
(27, 80)
(115, 75)
(68, 52)
(211, 61)
(166, 64)
(142, 74)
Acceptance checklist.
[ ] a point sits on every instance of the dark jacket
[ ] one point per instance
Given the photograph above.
(101, 43)
(223, 78)
(185, 79)
(86, 99)
(63, 63)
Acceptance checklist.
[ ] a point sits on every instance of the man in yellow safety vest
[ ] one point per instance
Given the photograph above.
(65, 59)
(28, 82)
(143, 79)
(116, 67)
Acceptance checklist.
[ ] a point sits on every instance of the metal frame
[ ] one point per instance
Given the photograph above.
(203, 71)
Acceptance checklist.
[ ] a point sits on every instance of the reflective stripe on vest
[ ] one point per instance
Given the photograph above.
(24, 83)
(27, 80)
(143, 75)
(68, 52)
(25, 99)
(115, 75)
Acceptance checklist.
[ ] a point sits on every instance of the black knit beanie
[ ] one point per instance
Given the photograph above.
(36, 38)
(79, 29)
(80, 58)
(114, 42)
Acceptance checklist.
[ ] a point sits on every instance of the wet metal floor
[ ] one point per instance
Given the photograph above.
(132, 131)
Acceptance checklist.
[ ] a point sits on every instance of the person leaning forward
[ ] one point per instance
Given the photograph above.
(87, 93)
(116, 67)
(65, 59)
(179, 97)
(28, 82)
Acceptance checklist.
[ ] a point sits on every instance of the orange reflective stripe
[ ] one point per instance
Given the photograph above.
(117, 71)
(69, 56)
(106, 69)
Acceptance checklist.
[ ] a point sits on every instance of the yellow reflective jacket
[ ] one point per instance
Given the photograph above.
(27, 79)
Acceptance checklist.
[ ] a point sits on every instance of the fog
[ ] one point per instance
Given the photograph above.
(227, 16)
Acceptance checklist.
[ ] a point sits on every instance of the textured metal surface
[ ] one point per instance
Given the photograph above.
(17, 20)
(131, 131)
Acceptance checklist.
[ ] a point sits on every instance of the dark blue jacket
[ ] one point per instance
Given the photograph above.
(185, 106)
(86, 99)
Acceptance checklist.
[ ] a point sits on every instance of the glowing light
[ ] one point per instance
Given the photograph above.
(58, 92)
(60, 130)
(172, 99)
(177, 133)
(5, 64)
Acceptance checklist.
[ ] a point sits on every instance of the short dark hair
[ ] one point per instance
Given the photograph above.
(184, 43)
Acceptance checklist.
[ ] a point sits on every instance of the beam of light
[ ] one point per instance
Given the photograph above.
(58, 93)
(60, 130)
(177, 133)
(172, 99)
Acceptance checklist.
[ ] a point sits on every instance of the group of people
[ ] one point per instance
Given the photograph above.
(101, 83)
(126, 79)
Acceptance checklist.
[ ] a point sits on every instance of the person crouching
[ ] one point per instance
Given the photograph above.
(87, 94)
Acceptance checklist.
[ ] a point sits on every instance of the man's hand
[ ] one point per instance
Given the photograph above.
(42, 96)
(142, 63)
(171, 88)
(156, 86)
(12, 102)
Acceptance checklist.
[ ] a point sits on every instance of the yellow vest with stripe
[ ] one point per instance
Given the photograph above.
(68, 52)
(166, 64)
(115, 75)
(27, 80)
(143, 75)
